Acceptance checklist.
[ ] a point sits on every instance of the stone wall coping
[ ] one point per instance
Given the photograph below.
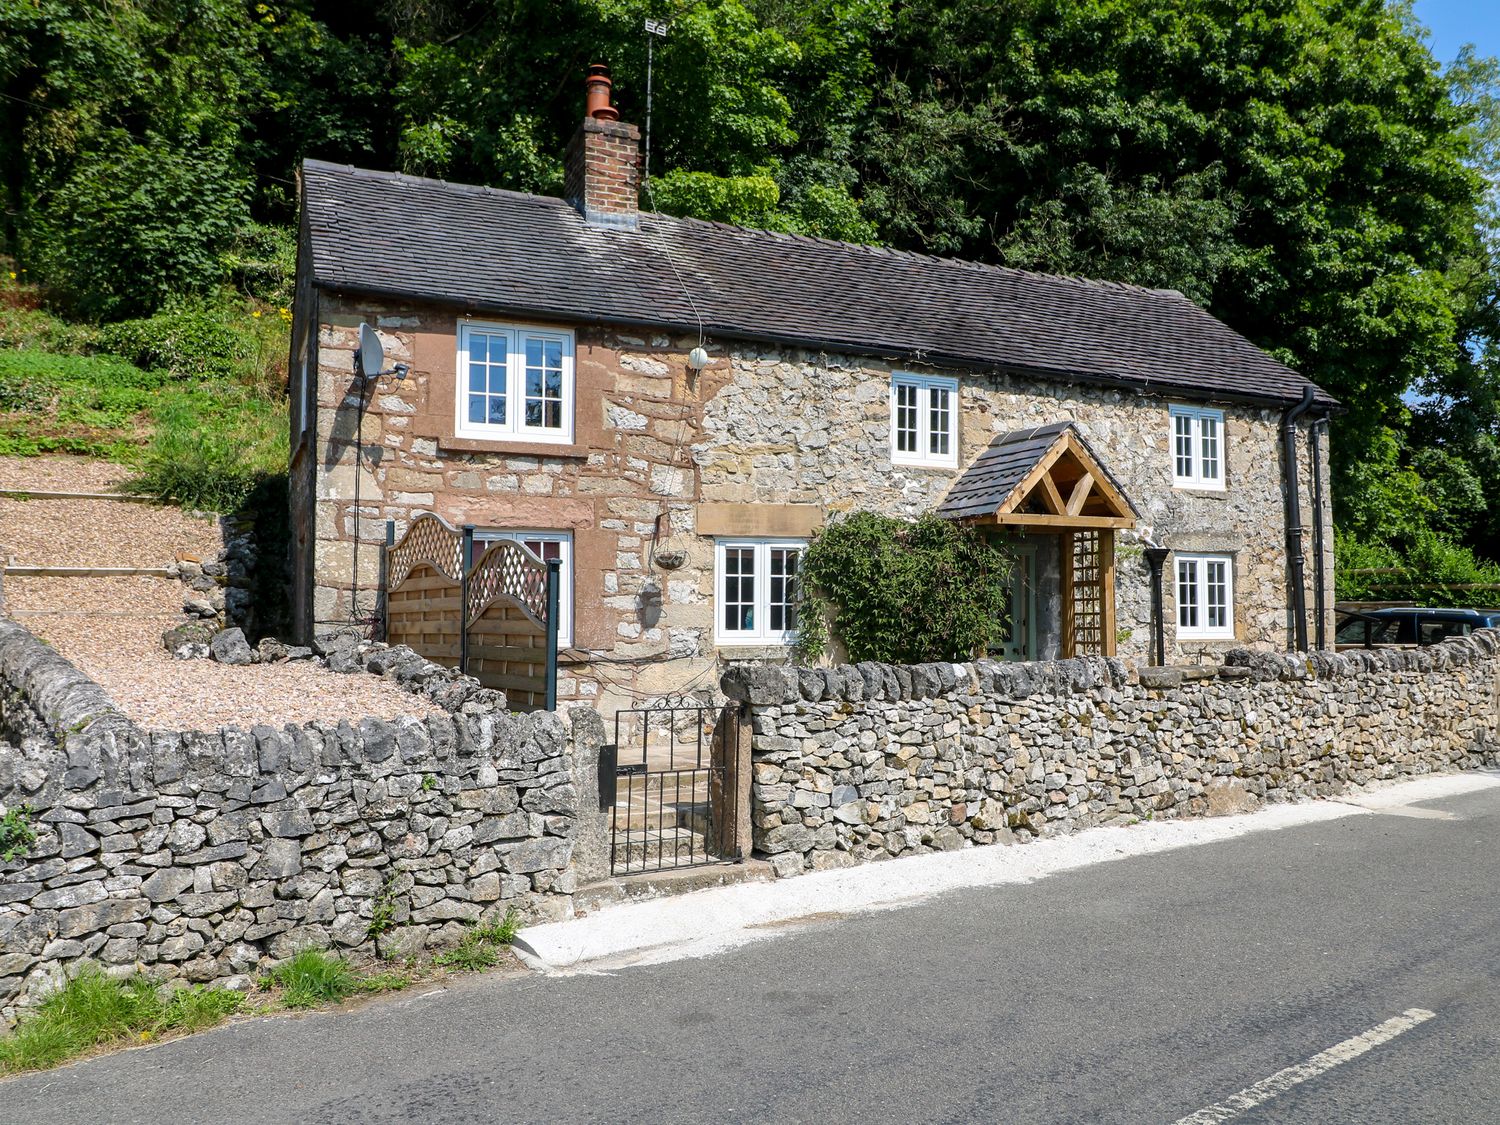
(71, 737)
(770, 685)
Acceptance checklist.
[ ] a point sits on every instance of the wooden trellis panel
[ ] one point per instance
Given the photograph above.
(423, 613)
(1089, 572)
(508, 651)
(504, 613)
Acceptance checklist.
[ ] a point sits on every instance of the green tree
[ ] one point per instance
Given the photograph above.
(124, 169)
(1300, 168)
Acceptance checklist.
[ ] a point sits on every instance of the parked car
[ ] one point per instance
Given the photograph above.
(1408, 625)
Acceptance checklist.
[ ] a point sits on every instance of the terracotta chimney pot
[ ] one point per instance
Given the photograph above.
(598, 85)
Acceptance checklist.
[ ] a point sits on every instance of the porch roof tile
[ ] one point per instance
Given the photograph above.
(996, 472)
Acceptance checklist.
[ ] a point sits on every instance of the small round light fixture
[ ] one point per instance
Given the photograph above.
(698, 358)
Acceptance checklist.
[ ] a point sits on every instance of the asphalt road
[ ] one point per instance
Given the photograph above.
(1136, 991)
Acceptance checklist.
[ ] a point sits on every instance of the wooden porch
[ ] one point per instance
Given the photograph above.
(1048, 481)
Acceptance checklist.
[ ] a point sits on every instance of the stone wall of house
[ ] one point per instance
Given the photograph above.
(770, 437)
(869, 761)
(209, 855)
(664, 458)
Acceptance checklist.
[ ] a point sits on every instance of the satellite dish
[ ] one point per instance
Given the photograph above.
(371, 355)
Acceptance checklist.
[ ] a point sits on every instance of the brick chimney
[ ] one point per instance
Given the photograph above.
(602, 175)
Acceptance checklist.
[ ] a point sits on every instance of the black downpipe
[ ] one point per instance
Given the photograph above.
(1296, 564)
(1320, 600)
(1155, 557)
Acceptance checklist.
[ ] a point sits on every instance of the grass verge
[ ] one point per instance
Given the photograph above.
(93, 1011)
(313, 977)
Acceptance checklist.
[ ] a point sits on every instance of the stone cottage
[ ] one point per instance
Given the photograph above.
(672, 408)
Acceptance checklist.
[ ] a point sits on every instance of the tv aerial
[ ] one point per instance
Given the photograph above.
(369, 357)
(655, 29)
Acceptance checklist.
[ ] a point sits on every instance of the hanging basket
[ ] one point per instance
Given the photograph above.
(670, 558)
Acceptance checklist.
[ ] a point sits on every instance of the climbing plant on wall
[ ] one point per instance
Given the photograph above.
(905, 592)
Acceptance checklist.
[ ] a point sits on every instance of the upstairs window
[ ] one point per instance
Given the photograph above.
(515, 382)
(924, 420)
(756, 587)
(545, 545)
(1205, 597)
(1197, 447)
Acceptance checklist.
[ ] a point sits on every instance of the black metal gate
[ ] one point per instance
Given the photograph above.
(672, 786)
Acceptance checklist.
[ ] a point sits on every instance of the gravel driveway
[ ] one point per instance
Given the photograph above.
(111, 627)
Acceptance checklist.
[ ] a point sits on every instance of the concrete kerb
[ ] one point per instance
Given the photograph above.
(706, 922)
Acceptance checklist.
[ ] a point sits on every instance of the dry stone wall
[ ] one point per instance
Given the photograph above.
(210, 855)
(869, 761)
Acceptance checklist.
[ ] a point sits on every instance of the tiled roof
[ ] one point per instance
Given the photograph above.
(504, 252)
(996, 472)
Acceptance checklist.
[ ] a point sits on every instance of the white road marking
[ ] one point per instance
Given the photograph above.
(1284, 1080)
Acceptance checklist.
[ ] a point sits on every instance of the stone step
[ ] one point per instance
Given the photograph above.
(53, 494)
(679, 881)
(19, 570)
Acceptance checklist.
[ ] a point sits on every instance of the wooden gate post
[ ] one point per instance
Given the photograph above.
(1107, 593)
(729, 783)
(385, 580)
(554, 581)
(465, 564)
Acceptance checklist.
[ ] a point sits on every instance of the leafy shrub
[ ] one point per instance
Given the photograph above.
(93, 1009)
(262, 263)
(192, 341)
(1431, 570)
(16, 833)
(313, 977)
(902, 592)
(744, 200)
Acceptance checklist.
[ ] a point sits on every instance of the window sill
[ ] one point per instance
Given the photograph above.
(452, 443)
(753, 650)
(1208, 638)
(937, 466)
(1205, 489)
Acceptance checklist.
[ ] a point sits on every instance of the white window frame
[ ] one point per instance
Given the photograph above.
(924, 386)
(761, 634)
(1199, 474)
(514, 428)
(1202, 584)
(483, 537)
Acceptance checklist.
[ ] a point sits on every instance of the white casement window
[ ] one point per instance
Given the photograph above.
(514, 382)
(545, 545)
(1205, 597)
(924, 420)
(756, 590)
(1197, 447)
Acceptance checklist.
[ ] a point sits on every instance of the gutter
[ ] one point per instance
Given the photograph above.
(1292, 512)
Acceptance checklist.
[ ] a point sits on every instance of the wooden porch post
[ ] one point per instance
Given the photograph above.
(1107, 592)
(1067, 649)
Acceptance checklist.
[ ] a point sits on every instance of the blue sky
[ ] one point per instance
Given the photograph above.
(1456, 22)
